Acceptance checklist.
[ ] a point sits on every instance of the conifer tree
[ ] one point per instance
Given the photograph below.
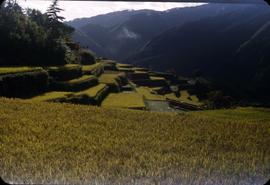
(53, 12)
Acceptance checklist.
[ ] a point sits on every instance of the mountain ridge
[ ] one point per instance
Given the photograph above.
(145, 23)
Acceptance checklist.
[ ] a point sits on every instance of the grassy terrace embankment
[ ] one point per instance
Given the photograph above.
(65, 143)
(12, 70)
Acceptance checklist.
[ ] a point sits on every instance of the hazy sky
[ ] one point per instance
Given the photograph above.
(78, 9)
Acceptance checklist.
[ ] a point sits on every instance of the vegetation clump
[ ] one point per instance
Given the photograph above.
(87, 57)
(23, 82)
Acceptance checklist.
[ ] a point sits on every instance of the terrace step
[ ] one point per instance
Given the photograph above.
(113, 80)
(149, 94)
(64, 73)
(22, 82)
(124, 100)
(150, 82)
(53, 96)
(16, 70)
(95, 69)
(138, 75)
(94, 95)
(184, 96)
(74, 85)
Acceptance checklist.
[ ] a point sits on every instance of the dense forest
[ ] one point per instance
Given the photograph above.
(31, 38)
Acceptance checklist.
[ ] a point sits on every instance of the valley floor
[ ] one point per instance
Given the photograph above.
(64, 143)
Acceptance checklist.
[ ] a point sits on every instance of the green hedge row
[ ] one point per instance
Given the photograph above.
(23, 84)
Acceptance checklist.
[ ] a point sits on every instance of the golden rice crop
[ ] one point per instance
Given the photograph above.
(12, 70)
(124, 100)
(65, 67)
(149, 94)
(110, 79)
(51, 96)
(92, 91)
(89, 68)
(76, 144)
(185, 97)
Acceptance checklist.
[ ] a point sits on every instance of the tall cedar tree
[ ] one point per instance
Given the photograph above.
(53, 11)
(31, 39)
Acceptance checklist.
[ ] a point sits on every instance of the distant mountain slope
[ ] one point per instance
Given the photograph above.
(254, 55)
(105, 20)
(119, 35)
(231, 48)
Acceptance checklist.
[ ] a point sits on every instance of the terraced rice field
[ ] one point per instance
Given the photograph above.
(82, 85)
(76, 84)
(94, 69)
(123, 69)
(76, 81)
(51, 96)
(93, 91)
(51, 143)
(124, 100)
(80, 80)
(185, 97)
(65, 67)
(112, 80)
(140, 69)
(109, 78)
(157, 78)
(119, 65)
(93, 95)
(12, 70)
(149, 94)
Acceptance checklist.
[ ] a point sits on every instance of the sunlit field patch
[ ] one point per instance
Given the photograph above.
(76, 144)
(51, 96)
(124, 100)
(12, 70)
(185, 97)
(148, 93)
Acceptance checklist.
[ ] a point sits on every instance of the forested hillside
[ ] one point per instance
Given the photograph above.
(226, 43)
(229, 49)
(29, 37)
(119, 35)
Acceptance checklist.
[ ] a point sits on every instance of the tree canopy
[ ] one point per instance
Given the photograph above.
(29, 37)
